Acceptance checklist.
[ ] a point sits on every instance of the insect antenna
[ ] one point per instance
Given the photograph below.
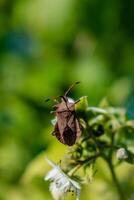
(71, 87)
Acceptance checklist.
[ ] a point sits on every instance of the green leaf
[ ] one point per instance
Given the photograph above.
(82, 104)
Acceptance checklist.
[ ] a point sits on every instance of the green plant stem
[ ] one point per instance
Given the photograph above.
(81, 163)
(120, 192)
(91, 135)
(89, 159)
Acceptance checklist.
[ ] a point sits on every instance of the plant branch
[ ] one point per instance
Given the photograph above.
(81, 163)
(89, 159)
(120, 192)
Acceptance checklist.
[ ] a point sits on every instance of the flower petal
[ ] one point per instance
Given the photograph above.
(61, 183)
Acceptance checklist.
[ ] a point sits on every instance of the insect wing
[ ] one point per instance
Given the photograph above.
(69, 136)
(63, 113)
(62, 121)
(56, 133)
(78, 128)
(72, 131)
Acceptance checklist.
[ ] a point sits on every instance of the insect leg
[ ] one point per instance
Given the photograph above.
(76, 101)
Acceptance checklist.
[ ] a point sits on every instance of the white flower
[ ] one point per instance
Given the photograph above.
(61, 183)
(121, 154)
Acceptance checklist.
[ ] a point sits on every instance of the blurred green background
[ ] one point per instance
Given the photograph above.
(46, 45)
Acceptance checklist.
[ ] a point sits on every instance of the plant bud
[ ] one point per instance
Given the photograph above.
(121, 154)
(98, 130)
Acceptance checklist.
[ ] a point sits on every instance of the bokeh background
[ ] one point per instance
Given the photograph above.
(46, 45)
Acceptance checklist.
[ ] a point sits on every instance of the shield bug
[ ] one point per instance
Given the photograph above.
(67, 128)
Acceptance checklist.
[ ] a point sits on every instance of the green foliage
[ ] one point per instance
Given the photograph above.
(45, 46)
(103, 134)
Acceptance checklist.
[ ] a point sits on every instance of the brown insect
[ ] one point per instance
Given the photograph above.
(67, 128)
